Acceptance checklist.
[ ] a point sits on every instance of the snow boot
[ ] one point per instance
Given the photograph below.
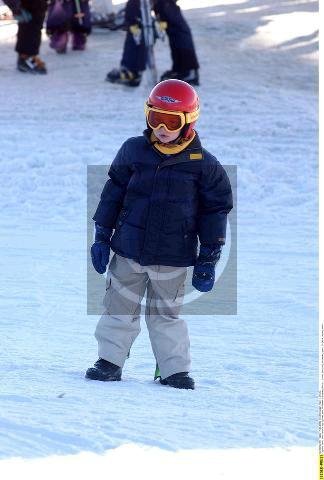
(179, 380)
(168, 74)
(124, 77)
(31, 64)
(59, 41)
(190, 76)
(104, 371)
(79, 41)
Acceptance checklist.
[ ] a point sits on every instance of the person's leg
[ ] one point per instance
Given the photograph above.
(81, 28)
(134, 55)
(182, 48)
(132, 64)
(168, 333)
(58, 23)
(133, 61)
(120, 324)
(185, 63)
(29, 34)
(29, 37)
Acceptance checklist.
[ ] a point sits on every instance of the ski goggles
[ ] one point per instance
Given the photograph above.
(171, 121)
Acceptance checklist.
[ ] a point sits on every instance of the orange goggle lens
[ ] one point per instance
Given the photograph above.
(171, 121)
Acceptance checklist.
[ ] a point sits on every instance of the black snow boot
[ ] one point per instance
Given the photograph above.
(189, 76)
(179, 380)
(31, 64)
(124, 77)
(104, 371)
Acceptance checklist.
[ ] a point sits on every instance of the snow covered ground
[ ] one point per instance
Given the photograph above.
(254, 412)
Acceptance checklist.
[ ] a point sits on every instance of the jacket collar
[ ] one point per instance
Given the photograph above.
(193, 152)
(171, 148)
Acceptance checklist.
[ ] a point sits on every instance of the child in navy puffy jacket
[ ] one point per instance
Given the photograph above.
(164, 192)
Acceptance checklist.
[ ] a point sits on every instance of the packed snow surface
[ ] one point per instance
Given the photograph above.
(256, 372)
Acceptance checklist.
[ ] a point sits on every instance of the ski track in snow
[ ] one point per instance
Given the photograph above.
(256, 372)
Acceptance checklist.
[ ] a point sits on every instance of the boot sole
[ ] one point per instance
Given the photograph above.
(96, 376)
(33, 72)
(188, 386)
(121, 82)
(179, 387)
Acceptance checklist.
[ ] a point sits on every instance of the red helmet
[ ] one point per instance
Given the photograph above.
(176, 96)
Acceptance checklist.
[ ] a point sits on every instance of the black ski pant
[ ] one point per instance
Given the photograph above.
(29, 34)
(182, 47)
(134, 55)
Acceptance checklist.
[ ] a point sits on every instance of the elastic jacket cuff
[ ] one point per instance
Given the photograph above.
(103, 234)
(209, 254)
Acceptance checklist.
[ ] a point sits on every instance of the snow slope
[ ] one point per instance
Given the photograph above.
(256, 372)
(133, 461)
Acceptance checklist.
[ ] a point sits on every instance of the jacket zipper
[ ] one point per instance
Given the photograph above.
(150, 208)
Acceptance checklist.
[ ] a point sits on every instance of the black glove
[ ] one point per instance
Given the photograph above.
(203, 277)
(100, 250)
(23, 16)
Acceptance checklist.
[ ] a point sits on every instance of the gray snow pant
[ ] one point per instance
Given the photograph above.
(120, 324)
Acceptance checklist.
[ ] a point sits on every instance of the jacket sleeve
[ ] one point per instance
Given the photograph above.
(114, 191)
(215, 202)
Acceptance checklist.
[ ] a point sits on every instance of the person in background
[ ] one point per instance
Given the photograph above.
(30, 16)
(185, 65)
(65, 18)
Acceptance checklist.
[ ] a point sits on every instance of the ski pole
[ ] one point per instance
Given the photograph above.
(148, 37)
(79, 14)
